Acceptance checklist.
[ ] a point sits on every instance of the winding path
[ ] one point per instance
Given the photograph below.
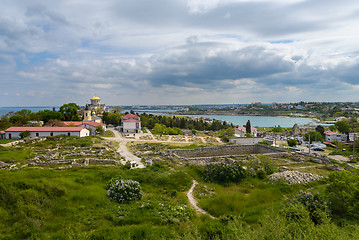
(193, 201)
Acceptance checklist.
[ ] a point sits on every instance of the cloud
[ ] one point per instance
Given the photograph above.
(196, 51)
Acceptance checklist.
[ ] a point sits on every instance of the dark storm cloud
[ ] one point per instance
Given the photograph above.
(192, 66)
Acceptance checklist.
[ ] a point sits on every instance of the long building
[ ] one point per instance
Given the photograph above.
(14, 132)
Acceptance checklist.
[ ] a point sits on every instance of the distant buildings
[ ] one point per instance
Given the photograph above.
(240, 131)
(90, 110)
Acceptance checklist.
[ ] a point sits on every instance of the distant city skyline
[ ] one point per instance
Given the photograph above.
(178, 52)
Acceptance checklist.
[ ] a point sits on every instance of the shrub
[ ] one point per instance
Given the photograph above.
(316, 206)
(123, 191)
(292, 142)
(343, 193)
(261, 174)
(224, 173)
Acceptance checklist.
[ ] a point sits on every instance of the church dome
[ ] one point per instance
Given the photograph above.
(95, 98)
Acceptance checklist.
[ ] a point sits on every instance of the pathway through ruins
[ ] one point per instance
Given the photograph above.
(193, 201)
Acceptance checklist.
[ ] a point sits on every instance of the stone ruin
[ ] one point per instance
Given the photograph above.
(221, 151)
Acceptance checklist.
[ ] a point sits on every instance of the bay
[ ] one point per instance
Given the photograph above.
(258, 121)
(5, 110)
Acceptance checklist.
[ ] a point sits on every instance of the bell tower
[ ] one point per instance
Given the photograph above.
(87, 113)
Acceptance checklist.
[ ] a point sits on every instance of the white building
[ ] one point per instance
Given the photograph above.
(14, 132)
(240, 131)
(246, 140)
(130, 123)
(330, 136)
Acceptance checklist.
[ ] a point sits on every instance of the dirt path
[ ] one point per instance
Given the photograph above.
(193, 201)
(123, 150)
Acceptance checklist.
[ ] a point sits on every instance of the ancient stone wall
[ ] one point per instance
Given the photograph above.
(232, 150)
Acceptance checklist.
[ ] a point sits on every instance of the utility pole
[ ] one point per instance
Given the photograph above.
(309, 143)
(354, 147)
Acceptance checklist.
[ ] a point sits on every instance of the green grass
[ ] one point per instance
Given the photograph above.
(72, 204)
(14, 154)
(249, 198)
(108, 134)
(4, 141)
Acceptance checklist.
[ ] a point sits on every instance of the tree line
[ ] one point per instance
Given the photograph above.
(149, 121)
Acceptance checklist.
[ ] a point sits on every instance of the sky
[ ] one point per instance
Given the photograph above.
(161, 52)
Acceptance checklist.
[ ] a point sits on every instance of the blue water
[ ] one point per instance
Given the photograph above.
(257, 121)
(5, 110)
(261, 121)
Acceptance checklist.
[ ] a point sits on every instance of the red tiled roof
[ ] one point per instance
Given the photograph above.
(243, 128)
(2, 132)
(75, 123)
(94, 124)
(131, 120)
(130, 115)
(328, 132)
(44, 129)
(79, 123)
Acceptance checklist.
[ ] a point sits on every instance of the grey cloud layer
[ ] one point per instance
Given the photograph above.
(216, 51)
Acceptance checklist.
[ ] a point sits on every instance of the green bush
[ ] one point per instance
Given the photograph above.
(343, 193)
(261, 174)
(224, 173)
(316, 206)
(123, 191)
(292, 142)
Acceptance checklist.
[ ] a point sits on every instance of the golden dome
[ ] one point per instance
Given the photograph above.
(95, 98)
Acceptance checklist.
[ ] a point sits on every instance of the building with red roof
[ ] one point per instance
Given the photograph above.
(14, 132)
(2, 134)
(88, 125)
(240, 131)
(130, 123)
(330, 136)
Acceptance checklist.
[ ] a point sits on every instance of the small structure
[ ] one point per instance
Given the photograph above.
(130, 123)
(14, 132)
(240, 131)
(330, 136)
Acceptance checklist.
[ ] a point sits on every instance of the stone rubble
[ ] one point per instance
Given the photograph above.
(294, 177)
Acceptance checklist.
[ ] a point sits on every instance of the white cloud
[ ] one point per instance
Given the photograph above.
(194, 51)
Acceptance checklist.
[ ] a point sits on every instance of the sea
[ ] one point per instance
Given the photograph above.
(257, 121)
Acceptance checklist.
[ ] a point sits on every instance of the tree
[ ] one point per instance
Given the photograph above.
(47, 115)
(320, 129)
(277, 129)
(24, 134)
(314, 136)
(248, 127)
(69, 110)
(342, 127)
(99, 129)
(4, 123)
(292, 142)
